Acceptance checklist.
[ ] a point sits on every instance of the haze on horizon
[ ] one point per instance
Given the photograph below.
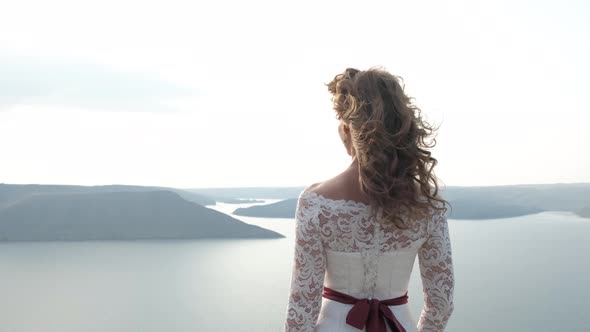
(231, 94)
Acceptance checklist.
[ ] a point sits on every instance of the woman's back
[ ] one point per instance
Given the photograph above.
(341, 246)
(358, 237)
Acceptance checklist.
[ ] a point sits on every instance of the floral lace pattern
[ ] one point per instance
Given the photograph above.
(345, 225)
(438, 280)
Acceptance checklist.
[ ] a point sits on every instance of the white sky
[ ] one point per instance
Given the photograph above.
(215, 94)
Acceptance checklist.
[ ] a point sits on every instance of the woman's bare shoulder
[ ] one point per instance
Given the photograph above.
(337, 188)
(324, 188)
(313, 187)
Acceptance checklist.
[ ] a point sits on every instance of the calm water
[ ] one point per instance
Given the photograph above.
(520, 274)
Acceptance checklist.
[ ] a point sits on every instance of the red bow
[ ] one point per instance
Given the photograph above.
(371, 313)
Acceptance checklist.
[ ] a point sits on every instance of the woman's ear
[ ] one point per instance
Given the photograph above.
(346, 128)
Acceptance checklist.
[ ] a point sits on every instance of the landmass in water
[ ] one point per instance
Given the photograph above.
(120, 212)
(490, 202)
(65, 213)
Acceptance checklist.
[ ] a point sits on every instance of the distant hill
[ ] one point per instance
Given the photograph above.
(478, 202)
(12, 193)
(478, 209)
(544, 197)
(221, 194)
(281, 209)
(119, 215)
(239, 200)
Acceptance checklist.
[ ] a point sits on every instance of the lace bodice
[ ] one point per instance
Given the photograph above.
(344, 226)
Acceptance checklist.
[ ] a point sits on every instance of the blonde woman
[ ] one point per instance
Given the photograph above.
(358, 233)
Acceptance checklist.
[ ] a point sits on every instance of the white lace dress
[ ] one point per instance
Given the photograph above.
(338, 244)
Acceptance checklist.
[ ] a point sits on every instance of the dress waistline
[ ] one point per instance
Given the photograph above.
(368, 312)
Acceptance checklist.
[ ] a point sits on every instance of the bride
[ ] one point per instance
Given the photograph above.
(359, 233)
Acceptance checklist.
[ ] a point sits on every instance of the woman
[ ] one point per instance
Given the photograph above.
(358, 233)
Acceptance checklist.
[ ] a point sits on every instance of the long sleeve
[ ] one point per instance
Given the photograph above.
(438, 281)
(307, 278)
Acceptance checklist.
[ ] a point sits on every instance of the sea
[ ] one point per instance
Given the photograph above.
(522, 274)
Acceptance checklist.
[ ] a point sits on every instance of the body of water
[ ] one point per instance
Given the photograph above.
(519, 274)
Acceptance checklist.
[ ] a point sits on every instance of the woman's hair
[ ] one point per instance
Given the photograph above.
(391, 141)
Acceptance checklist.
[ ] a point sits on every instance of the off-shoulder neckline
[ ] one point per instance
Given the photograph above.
(347, 202)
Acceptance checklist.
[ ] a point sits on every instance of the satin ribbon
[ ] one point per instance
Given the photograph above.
(369, 313)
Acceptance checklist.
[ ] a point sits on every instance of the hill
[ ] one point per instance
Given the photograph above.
(281, 209)
(223, 194)
(489, 202)
(543, 197)
(119, 215)
(12, 193)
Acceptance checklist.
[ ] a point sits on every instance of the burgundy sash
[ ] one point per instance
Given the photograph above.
(371, 313)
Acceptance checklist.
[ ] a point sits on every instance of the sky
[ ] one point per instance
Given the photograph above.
(194, 94)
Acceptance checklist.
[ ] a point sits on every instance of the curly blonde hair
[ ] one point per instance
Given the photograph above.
(391, 139)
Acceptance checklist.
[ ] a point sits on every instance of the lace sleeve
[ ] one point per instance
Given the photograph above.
(307, 278)
(436, 270)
